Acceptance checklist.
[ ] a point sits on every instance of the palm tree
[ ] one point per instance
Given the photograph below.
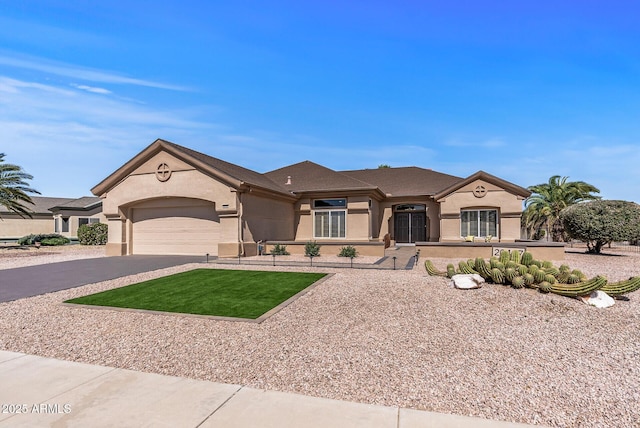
(14, 188)
(542, 208)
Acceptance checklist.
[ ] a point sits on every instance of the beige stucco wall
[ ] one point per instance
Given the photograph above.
(142, 186)
(508, 205)
(12, 226)
(266, 218)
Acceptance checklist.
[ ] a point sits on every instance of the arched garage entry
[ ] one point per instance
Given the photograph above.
(175, 226)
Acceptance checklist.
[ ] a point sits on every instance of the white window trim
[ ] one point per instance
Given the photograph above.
(478, 210)
(344, 210)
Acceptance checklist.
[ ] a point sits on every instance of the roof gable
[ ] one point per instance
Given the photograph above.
(234, 175)
(481, 175)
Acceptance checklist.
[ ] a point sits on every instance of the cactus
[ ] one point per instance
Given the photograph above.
(579, 289)
(497, 276)
(622, 287)
(573, 279)
(504, 257)
(515, 256)
(547, 264)
(493, 261)
(550, 278)
(431, 269)
(544, 287)
(510, 273)
(553, 271)
(500, 265)
(538, 276)
(522, 269)
(511, 264)
(580, 275)
(482, 268)
(564, 268)
(465, 268)
(537, 263)
(528, 279)
(518, 282)
(451, 270)
(526, 258)
(533, 269)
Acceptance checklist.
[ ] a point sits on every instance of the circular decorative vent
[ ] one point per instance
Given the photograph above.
(480, 191)
(163, 173)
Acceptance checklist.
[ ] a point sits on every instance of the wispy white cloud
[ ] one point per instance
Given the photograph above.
(93, 89)
(81, 73)
(70, 140)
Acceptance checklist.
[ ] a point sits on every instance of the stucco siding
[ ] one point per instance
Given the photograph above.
(12, 226)
(266, 218)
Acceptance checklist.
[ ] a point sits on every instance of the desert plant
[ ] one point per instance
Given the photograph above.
(311, 249)
(348, 251)
(93, 234)
(14, 189)
(45, 239)
(279, 250)
(601, 222)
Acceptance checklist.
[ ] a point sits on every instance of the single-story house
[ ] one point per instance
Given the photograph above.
(170, 199)
(51, 215)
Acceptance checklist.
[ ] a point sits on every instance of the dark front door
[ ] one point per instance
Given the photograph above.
(410, 227)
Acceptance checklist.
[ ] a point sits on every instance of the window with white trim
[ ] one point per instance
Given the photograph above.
(478, 223)
(87, 220)
(330, 218)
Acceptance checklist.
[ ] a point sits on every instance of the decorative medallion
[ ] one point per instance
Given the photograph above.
(163, 173)
(480, 191)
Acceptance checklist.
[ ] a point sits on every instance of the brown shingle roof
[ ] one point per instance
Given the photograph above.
(85, 202)
(405, 181)
(308, 176)
(235, 171)
(41, 204)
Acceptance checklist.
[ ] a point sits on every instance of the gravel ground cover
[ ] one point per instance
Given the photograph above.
(397, 338)
(12, 256)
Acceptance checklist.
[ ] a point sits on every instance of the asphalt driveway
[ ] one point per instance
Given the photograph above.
(40, 279)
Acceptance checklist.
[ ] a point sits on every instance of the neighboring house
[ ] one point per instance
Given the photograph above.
(51, 215)
(170, 199)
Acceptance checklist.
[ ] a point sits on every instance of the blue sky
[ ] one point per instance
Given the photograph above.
(523, 90)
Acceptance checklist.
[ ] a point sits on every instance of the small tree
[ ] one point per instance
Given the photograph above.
(599, 223)
(312, 249)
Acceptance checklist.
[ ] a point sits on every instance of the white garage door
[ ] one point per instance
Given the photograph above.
(186, 229)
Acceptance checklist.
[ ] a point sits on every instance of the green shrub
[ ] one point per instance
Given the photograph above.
(279, 250)
(311, 249)
(348, 251)
(45, 239)
(93, 234)
(601, 222)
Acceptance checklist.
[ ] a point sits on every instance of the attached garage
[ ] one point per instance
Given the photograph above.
(175, 226)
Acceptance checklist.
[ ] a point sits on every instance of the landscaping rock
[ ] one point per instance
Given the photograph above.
(599, 299)
(467, 281)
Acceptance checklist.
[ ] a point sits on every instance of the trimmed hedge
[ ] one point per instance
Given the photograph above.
(45, 239)
(93, 234)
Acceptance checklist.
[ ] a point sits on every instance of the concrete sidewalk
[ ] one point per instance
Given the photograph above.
(37, 391)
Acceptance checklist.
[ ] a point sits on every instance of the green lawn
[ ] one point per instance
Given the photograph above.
(228, 293)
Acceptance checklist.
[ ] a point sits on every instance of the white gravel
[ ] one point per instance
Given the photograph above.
(397, 338)
(15, 256)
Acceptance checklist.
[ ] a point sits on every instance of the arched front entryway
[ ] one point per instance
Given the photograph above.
(410, 223)
(174, 226)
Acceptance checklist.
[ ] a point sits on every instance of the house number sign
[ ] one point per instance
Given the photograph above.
(163, 172)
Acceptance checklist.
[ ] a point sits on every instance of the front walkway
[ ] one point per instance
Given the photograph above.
(38, 391)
